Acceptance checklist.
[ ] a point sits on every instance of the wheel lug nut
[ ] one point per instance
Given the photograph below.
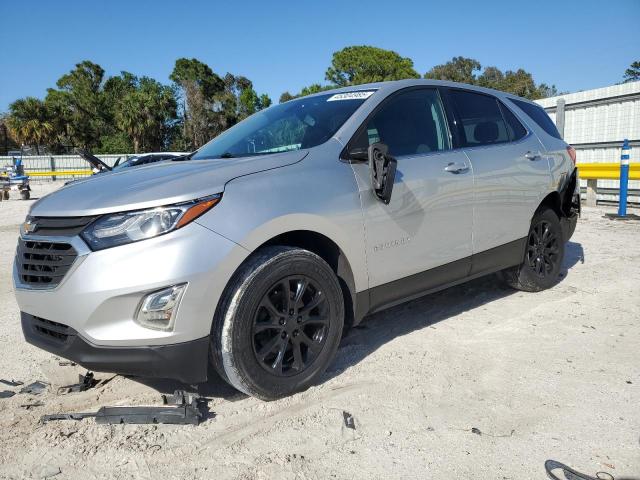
(299, 319)
(291, 312)
(284, 335)
(295, 333)
(282, 321)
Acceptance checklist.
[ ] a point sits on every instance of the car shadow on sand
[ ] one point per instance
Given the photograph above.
(382, 327)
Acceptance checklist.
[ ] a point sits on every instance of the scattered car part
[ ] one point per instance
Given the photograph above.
(29, 406)
(349, 421)
(570, 473)
(67, 363)
(11, 383)
(181, 408)
(85, 382)
(35, 388)
(7, 394)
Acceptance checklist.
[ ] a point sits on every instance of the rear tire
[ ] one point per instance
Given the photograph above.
(278, 324)
(543, 255)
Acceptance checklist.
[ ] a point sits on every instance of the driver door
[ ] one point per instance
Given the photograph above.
(422, 238)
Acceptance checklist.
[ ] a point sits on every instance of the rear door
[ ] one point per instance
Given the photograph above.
(511, 174)
(427, 224)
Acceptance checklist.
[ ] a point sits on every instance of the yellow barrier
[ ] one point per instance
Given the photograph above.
(59, 173)
(607, 171)
(588, 171)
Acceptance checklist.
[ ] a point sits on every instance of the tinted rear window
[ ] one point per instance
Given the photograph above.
(539, 116)
(482, 122)
(515, 128)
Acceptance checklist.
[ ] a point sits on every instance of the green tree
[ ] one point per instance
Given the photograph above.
(285, 97)
(29, 122)
(632, 74)
(198, 86)
(458, 69)
(144, 112)
(80, 99)
(364, 64)
(468, 70)
(264, 101)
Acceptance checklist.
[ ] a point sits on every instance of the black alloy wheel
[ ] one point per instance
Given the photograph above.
(543, 251)
(290, 326)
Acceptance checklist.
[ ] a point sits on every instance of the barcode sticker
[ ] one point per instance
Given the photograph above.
(361, 95)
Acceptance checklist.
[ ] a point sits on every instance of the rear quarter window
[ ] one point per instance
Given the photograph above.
(539, 116)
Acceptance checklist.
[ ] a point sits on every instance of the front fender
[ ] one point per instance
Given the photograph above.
(322, 198)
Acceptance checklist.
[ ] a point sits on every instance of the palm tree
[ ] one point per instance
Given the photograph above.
(29, 122)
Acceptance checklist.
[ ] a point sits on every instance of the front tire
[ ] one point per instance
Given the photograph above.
(279, 323)
(543, 256)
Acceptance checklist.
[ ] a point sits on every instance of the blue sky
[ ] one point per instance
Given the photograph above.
(286, 45)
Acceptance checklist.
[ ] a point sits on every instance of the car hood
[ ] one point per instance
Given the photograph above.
(157, 184)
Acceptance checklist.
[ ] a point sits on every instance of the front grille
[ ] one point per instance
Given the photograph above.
(52, 330)
(43, 264)
(59, 226)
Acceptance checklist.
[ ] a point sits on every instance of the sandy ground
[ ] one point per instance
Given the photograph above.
(554, 375)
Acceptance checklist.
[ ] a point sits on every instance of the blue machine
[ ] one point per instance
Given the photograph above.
(13, 178)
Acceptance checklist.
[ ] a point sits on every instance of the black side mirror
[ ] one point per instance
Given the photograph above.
(117, 162)
(383, 171)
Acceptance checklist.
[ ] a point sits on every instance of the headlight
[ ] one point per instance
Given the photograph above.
(120, 228)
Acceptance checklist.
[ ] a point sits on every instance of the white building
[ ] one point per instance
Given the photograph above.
(596, 122)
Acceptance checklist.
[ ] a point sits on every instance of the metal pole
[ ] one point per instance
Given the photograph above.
(52, 164)
(560, 116)
(624, 177)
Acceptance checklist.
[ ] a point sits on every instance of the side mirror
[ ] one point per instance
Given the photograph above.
(383, 171)
(117, 162)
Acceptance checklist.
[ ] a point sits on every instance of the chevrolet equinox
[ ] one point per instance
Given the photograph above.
(255, 252)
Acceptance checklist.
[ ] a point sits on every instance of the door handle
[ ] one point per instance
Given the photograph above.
(456, 168)
(532, 156)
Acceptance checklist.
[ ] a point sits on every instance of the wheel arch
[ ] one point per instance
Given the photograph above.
(552, 201)
(331, 253)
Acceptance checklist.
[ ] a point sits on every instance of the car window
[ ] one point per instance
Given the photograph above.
(515, 129)
(539, 116)
(409, 123)
(481, 119)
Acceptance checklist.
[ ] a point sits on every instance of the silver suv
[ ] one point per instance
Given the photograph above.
(255, 252)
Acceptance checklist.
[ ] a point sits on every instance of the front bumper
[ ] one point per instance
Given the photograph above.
(100, 294)
(186, 362)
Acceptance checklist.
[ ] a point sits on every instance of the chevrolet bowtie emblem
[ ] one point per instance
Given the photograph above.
(29, 226)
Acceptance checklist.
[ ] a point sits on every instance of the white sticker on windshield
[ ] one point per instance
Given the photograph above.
(361, 95)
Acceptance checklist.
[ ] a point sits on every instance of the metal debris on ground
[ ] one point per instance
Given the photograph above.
(85, 382)
(477, 431)
(571, 474)
(349, 421)
(7, 394)
(35, 388)
(181, 408)
(29, 406)
(67, 363)
(11, 383)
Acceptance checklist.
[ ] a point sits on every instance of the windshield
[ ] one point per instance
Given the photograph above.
(294, 125)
